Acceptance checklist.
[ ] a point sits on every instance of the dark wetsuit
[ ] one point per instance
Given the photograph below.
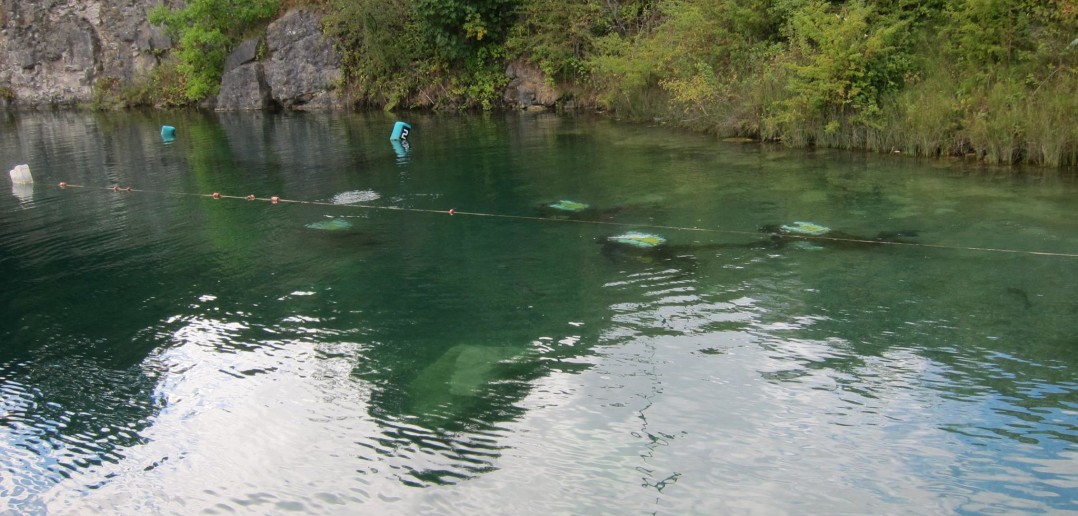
(778, 238)
(836, 239)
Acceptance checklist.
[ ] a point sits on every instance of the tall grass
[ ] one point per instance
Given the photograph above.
(1051, 124)
(1000, 121)
(924, 117)
(814, 81)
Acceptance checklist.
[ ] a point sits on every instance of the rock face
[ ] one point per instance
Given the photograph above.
(528, 88)
(57, 52)
(301, 70)
(53, 52)
(244, 88)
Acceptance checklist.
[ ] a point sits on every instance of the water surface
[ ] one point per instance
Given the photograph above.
(355, 347)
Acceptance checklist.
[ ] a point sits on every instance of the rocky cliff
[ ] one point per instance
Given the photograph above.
(53, 52)
(300, 70)
(62, 52)
(58, 52)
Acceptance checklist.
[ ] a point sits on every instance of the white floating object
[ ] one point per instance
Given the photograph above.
(20, 175)
(25, 192)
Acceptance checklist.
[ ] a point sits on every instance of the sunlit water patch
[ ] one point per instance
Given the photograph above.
(355, 197)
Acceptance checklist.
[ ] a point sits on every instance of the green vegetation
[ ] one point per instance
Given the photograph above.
(441, 54)
(106, 94)
(205, 31)
(166, 87)
(992, 80)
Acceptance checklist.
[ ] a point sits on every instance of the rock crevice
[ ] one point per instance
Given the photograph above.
(301, 69)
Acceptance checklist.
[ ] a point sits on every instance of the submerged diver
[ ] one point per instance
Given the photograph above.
(573, 210)
(650, 248)
(815, 236)
(647, 248)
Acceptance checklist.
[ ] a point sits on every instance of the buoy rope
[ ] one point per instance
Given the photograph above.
(451, 211)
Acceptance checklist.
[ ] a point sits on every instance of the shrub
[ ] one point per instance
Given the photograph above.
(205, 31)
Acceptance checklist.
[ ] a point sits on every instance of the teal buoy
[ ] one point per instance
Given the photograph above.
(168, 133)
(400, 132)
(401, 148)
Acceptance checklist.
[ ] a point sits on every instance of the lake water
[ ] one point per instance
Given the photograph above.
(165, 352)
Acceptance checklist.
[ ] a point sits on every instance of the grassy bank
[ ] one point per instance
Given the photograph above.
(989, 80)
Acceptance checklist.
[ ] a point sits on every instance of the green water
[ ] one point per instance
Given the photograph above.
(162, 351)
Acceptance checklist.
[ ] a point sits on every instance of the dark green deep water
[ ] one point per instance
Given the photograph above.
(164, 352)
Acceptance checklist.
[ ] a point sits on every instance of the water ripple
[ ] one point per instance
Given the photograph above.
(55, 430)
(175, 354)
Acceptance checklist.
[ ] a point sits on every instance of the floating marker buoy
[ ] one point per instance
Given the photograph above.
(20, 175)
(451, 212)
(400, 131)
(168, 133)
(216, 195)
(250, 197)
(63, 184)
(275, 199)
(116, 188)
(401, 148)
(25, 192)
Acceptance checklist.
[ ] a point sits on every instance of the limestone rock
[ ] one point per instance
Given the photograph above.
(303, 69)
(53, 52)
(244, 88)
(244, 53)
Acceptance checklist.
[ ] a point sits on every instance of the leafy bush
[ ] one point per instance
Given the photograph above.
(558, 36)
(205, 31)
(165, 86)
(845, 62)
(457, 29)
(381, 51)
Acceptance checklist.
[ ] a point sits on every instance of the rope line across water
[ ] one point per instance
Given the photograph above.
(451, 211)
